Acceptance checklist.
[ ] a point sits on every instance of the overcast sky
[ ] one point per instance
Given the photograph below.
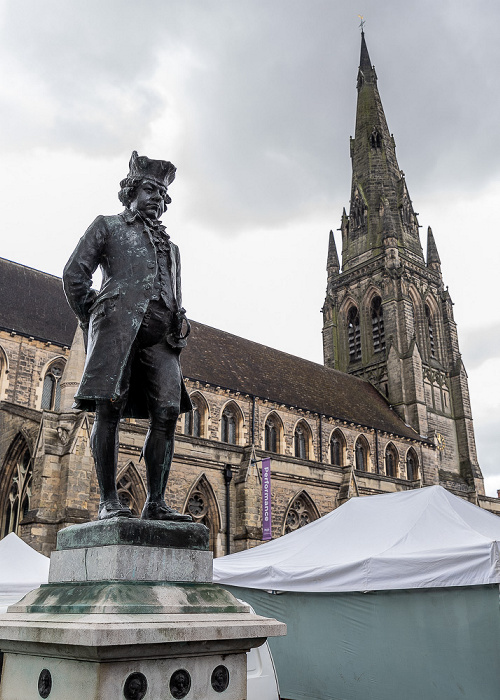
(254, 101)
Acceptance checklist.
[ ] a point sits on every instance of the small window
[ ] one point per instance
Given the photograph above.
(412, 472)
(192, 422)
(337, 449)
(301, 441)
(354, 334)
(391, 461)
(229, 426)
(361, 453)
(51, 391)
(272, 435)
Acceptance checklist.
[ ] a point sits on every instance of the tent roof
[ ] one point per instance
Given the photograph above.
(21, 564)
(424, 538)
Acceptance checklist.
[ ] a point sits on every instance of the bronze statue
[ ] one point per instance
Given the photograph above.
(133, 329)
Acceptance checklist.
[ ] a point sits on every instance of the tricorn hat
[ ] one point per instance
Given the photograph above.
(160, 171)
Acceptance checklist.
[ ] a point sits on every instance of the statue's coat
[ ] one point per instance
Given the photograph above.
(111, 318)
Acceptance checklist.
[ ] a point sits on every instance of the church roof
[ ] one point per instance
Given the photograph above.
(232, 362)
(33, 303)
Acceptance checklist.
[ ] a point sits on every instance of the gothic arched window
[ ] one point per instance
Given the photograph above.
(337, 449)
(201, 505)
(195, 420)
(51, 391)
(230, 420)
(131, 490)
(300, 512)
(391, 460)
(430, 329)
(17, 499)
(412, 472)
(354, 334)
(361, 454)
(301, 441)
(272, 434)
(377, 316)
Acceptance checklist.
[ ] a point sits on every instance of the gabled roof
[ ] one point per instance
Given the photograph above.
(232, 362)
(33, 303)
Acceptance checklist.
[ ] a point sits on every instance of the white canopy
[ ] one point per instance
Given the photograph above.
(21, 570)
(424, 538)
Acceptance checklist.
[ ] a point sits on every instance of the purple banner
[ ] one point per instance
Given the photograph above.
(266, 500)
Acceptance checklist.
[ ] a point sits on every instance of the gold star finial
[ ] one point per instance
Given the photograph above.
(361, 23)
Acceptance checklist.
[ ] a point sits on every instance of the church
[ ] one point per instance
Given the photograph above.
(389, 409)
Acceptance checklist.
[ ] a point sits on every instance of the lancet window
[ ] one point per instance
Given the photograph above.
(391, 461)
(354, 334)
(230, 425)
(378, 332)
(361, 454)
(51, 390)
(272, 434)
(430, 328)
(412, 472)
(130, 490)
(17, 500)
(337, 448)
(301, 441)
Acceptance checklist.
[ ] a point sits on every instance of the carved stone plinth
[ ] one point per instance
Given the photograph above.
(131, 613)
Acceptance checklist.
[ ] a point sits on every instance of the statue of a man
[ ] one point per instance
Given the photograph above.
(133, 329)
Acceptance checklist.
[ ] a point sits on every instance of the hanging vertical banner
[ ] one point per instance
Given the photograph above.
(266, 500)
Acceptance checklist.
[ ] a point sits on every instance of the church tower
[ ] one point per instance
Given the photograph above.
(388, 316)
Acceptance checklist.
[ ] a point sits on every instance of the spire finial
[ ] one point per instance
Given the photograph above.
(362, 24)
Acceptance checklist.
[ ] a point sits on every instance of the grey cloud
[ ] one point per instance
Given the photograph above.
(480, 344)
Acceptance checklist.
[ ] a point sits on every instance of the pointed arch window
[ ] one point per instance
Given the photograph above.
(378, 332)
(230, 425)
(130, 490)
(195, 420)
(354, 334)
(412, 471)
(391, 461)
(272, 434)
(361, 454)
(17, 500)
(301, 441)
(51, 390)
(337, 449)
(301, 511)
(201, 505)
(430, 328)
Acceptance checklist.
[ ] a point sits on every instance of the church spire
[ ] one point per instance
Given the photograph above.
(332, 263)
(433, 259)
(378, 194)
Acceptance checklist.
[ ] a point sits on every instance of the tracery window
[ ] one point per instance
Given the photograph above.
(272, 434)
(361, 454)
(337, 448)
(202, 507)
(430, 328)
(412, 472)
(301, 441)
(229, 425)
(391, 461)
(354, 334)
(17, 500)
(51, 390)
(378, 333)
(130, 490)
(301, 511)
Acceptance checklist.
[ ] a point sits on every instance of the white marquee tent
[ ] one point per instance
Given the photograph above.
(386, 597)
(21, 570)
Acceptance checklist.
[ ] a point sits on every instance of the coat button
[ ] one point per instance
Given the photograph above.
(151, 265)
(147, 286)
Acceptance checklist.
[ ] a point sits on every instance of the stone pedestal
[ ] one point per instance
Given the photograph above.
(130, 612)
